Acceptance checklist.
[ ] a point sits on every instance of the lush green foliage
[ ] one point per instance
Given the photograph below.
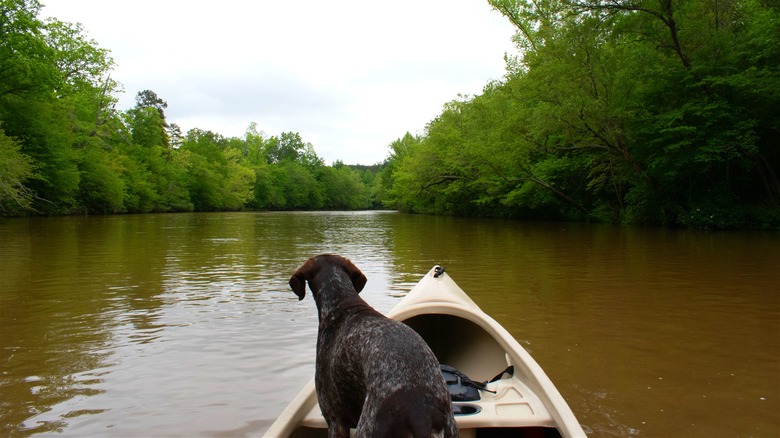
(65, 148)
(634, 111)
(631, 111)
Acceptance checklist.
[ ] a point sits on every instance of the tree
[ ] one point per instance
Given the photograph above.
(54, 95)
(101, 187)
(632, 111)
(16, 169)
(150, 126)
(149, 99)
(344, 190)
(80, 62)
(238, 187)
(64, 147)
(658, 99)
(287, 147)
(25, 66)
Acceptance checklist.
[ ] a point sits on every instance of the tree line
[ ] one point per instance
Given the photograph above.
(632, 111)
(661, 112)
(65, 148)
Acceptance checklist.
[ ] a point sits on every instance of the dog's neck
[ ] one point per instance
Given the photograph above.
(334, 293)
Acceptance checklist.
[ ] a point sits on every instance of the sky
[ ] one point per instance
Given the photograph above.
(351, 76)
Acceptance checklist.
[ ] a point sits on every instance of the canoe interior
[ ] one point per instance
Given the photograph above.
(463, 344)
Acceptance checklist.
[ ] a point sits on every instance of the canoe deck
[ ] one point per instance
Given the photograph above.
(512, 406)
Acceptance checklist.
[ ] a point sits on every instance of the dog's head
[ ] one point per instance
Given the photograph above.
(317, 264)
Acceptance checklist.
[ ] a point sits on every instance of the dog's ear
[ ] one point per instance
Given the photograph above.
(298, 284)
(299, 278)
(358, 279)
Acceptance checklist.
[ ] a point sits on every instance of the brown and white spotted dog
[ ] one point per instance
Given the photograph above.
(372, 373)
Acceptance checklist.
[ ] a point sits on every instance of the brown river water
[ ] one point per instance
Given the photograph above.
(183, 324)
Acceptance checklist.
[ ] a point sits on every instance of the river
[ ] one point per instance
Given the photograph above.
(183, 324)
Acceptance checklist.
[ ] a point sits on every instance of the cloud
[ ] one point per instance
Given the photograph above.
(350, 76)
(247, 92)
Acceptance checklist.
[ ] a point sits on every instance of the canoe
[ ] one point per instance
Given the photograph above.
(525, 403)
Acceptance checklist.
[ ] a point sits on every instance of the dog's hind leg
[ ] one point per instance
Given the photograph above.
(338, 430)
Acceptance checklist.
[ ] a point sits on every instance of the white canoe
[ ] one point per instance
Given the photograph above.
(463, 336)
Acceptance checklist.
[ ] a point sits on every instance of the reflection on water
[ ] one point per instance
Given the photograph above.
(183, 324)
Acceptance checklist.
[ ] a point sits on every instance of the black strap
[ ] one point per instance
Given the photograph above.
(456, 379)
(509, 370)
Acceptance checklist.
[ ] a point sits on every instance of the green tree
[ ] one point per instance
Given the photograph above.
(16, 169)
(175, 175)
(79, 62)
(66, 148)
(287, 147)
(102, 189)
(53, 97)
(665, 103)
(150, 99)
(149, 126)
(238, 187)
(344, 189)
(25, 59)
(206, 166)
(293, 187)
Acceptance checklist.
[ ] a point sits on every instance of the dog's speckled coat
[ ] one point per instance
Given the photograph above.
(372, 373)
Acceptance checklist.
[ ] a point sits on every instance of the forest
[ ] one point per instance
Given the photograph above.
(658, 112)
(653, 112)
(65, 148)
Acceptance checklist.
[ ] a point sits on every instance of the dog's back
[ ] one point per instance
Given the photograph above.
(407, 395)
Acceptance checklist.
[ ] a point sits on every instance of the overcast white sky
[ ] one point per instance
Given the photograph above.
(350, 76)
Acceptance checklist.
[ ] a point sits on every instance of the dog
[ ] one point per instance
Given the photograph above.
(372, 373)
